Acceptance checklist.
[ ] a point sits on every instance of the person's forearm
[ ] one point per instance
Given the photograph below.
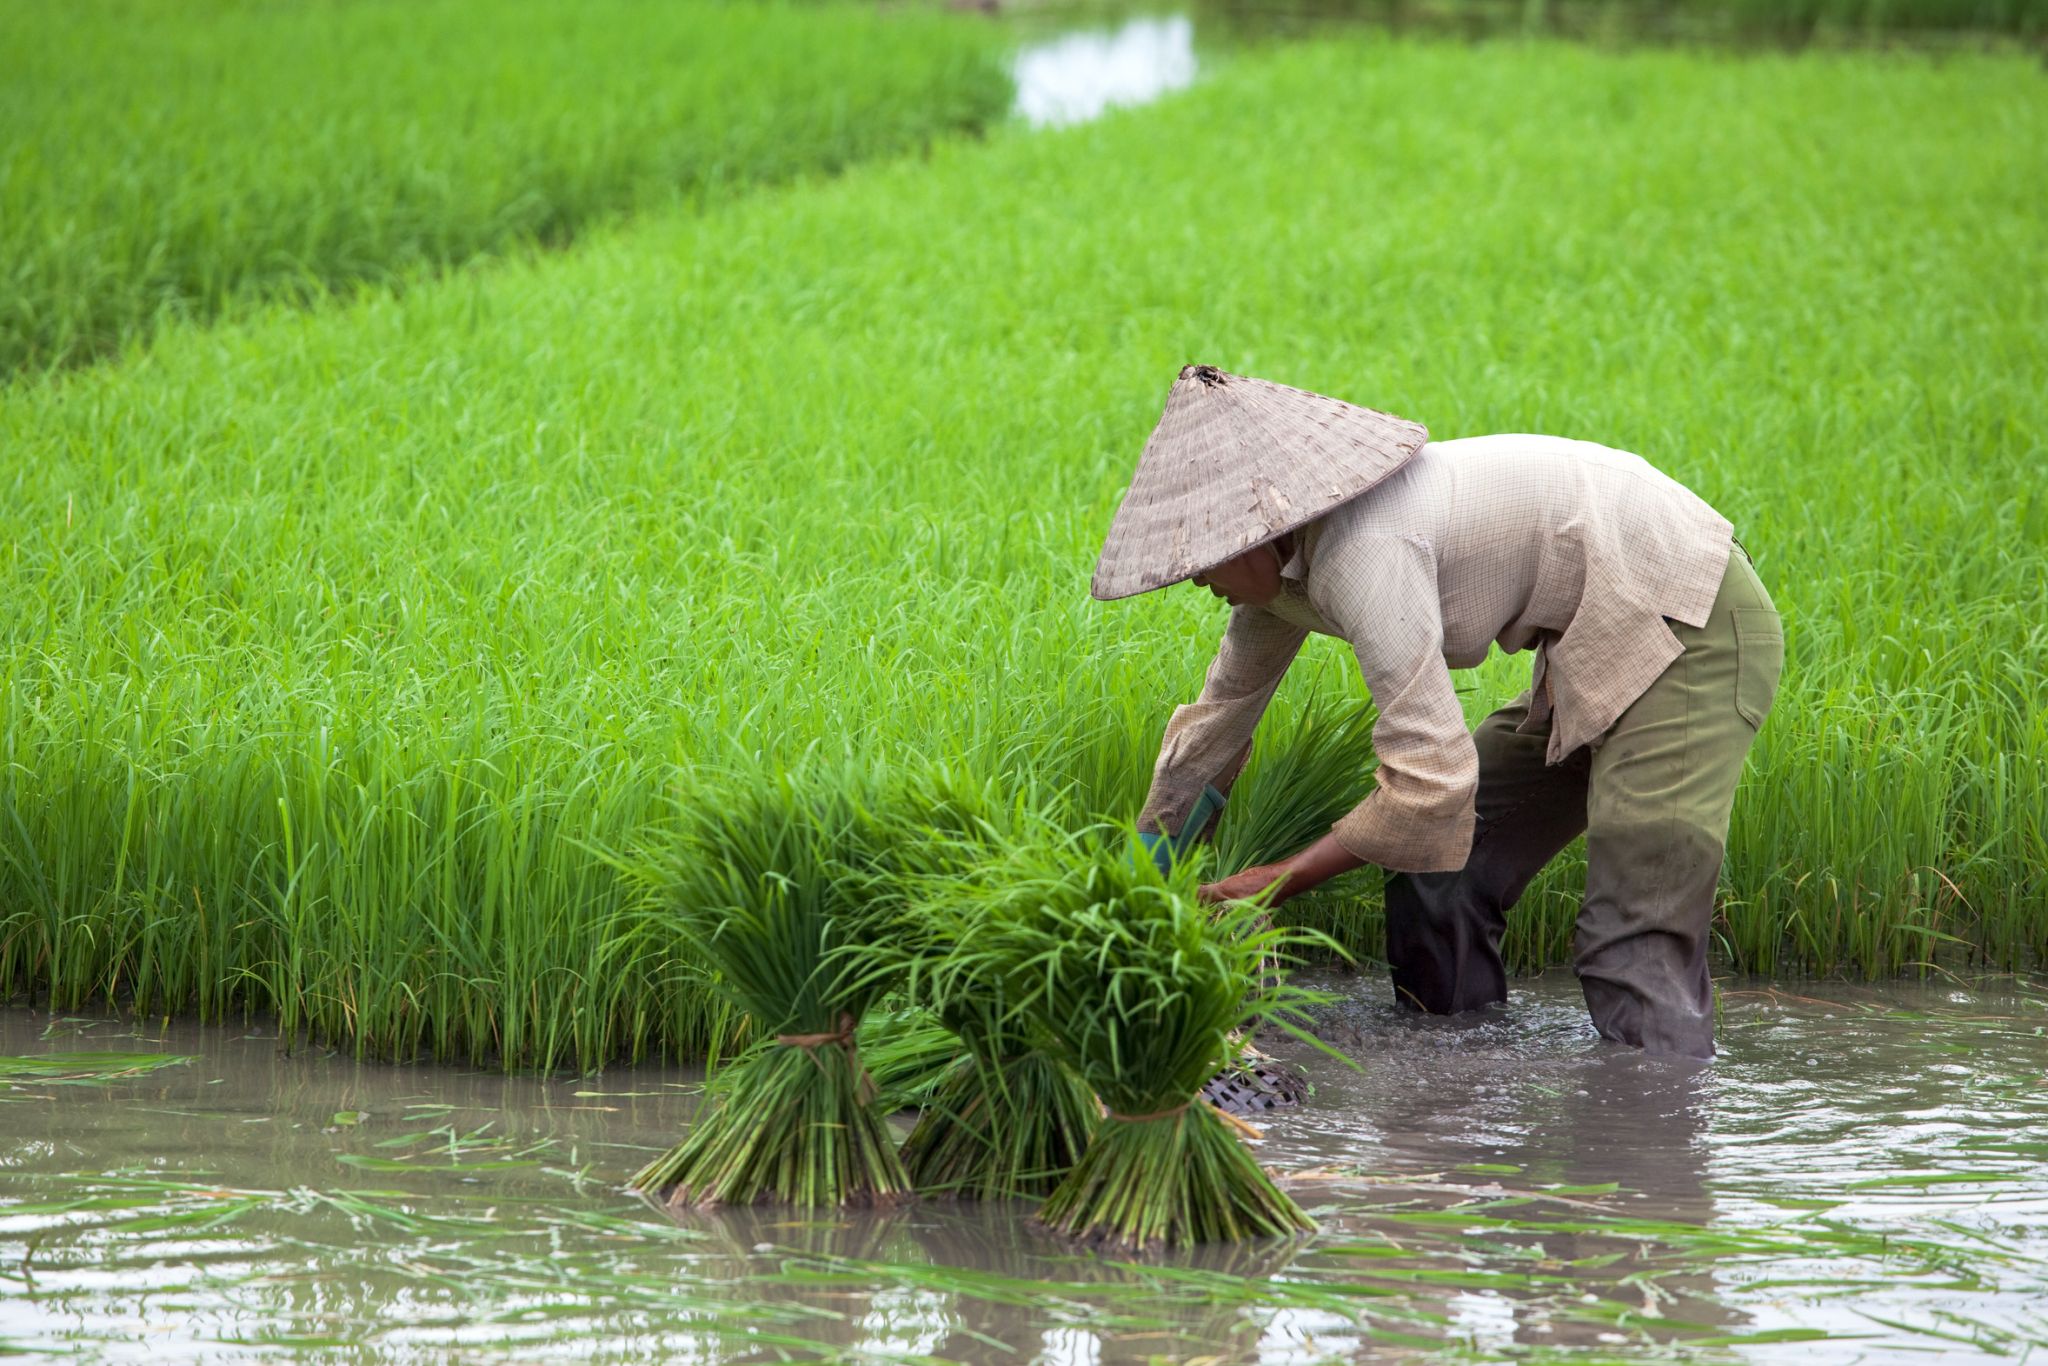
(1317, 864)
(1311, 867)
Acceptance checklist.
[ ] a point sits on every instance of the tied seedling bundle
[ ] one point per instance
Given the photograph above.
(1142, 992)
(776, 893)
(1006, 1119)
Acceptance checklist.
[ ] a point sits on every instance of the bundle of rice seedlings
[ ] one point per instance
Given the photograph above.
(998, 1117)
(1300, 779)
(1006, 1119)
(774, 891)
(1143, 992)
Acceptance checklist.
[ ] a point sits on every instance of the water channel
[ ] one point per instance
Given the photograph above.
(1080, 75)
(1862, 1175)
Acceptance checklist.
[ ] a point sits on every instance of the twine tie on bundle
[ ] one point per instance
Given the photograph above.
(842, 1037)
(1168, 1113)
(1244, 1130)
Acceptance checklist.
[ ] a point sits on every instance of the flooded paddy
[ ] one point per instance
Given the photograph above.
(1861, 1175)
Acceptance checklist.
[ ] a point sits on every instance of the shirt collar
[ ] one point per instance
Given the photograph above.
(1297, 563)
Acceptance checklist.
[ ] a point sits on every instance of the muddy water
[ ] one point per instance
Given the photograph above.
(1861, 1176)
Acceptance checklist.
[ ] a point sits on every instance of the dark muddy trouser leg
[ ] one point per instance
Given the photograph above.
(1663, 785)
(1444, 929)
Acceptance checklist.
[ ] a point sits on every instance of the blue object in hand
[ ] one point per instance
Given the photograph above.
(1164, 849)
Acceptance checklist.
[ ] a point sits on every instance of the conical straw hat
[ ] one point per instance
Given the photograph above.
(1234, 463)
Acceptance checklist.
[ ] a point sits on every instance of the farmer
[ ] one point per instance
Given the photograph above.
(1657, 654)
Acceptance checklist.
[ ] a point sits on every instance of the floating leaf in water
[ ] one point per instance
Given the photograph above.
(84, 1068)
(393, 1164)
(1915, 1179)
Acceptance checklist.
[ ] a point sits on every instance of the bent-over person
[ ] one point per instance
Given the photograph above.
(1656, 657)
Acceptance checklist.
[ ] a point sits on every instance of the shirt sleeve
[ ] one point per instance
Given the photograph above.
(1380, 591)
(1207, 740)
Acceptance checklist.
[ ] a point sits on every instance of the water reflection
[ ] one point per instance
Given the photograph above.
(1573, 1156)
(1145, 1326)
(1871, 1164)
(1078, 76)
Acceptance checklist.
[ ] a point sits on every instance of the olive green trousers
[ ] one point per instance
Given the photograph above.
(1653, 801)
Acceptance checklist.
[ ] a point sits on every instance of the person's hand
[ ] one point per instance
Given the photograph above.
(1249, 883)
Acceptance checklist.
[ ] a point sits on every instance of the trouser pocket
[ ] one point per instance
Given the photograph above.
(1759, 660)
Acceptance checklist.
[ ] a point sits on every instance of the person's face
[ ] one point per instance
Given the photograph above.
(1251, 578)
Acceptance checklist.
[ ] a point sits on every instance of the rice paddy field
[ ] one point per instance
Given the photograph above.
(343, 644)
(447, 452)
(173, 161)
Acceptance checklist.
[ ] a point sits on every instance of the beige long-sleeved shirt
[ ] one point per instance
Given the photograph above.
(1574, 549)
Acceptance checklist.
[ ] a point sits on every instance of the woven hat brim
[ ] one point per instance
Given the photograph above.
(1237, 462)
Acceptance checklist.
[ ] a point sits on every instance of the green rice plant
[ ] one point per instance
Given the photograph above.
(767, 889)
(1822, 17)
(160, 162)
(1141, 991)
(1006, 1118)
(907, 1052)
(1304, 773)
